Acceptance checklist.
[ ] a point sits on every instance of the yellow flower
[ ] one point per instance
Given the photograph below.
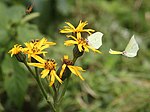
(49, 69)
(74, 69)
(15, 50)
(71, 29)
(81, 43)
(36, 47)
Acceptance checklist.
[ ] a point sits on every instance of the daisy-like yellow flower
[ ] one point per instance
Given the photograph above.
(36, 47)
(49, 69)
(15, 50)
(71, 29)
(69, 64)
(81, 43)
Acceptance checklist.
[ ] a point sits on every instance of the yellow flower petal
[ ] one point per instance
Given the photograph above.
(70, 36)
(78, 73)
(44, 73)
(38, 58)
(66, 31)
(44, 47)
(52, 78)
(80, 47)
(39, 65)
(57, 77)
(66, 57)
(69, 24)
(75, 70)
(86, 48)
(41, 42)
(88, 30)
(15, 50)
(95, 50)
(70, 28)
(70, 42)
(79, 35)
(71, 68)
(62, 70)
(79, 68)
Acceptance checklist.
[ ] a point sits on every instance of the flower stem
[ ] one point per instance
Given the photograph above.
(49, 88)
(74, 60)
(36, 77)
(64, 89)
(32, 73)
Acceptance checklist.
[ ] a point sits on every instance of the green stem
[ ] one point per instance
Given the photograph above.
(36, 77)
(49, 88)
(55, 97)
(74, 60)
(30, 70)
(64, 90)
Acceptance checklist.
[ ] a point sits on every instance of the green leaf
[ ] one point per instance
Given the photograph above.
(30, 17)
(16, 13)
(3, 37)
(15, 84)
(63, 7)
(7, 65)
(1, 108)
(4, 16)
(27, 32)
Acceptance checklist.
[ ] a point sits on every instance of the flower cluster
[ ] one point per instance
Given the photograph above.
(76, 38)
(34, 52)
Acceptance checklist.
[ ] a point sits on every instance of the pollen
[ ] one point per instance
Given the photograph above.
(35, 49)
(50, 64)
(82, 41)
(67, 62)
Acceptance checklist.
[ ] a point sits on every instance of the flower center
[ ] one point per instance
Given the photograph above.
(35, 49)
(35, 41)
(67, 62)
(50, 64)
(82, 41)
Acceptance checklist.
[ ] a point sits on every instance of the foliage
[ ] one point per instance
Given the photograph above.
(112, 83)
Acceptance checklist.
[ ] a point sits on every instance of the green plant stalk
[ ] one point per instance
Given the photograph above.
(59, 98)
(74, 60)
(36, 77)
(58, 95)
(49, 88)
(64, 90)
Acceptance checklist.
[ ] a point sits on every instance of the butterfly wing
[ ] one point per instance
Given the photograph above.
(95, 40)
(132, 48)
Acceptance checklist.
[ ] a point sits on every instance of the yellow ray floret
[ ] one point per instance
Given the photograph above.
(49, 67)
(15, 50)
(37, 47)
(74, 69)
(71, 29)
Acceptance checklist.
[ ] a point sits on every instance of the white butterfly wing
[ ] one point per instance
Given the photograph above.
(95, 40)
(132, 48)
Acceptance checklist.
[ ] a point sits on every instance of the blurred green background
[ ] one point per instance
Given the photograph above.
(113, 83)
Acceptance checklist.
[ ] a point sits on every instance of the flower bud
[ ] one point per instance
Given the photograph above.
(76, 52)
(20, 57)
(66, 73)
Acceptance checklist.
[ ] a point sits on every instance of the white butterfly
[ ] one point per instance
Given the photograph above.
(131, 49)
(95, 40)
